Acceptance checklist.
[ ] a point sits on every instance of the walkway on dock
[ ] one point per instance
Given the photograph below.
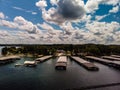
(116, 56)
(111, 58)
(42, 59)
(88, 65)
(7, 59)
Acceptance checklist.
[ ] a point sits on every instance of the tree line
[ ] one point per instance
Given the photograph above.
(84, 49)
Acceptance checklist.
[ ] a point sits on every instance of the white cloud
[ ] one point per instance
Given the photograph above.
(92, 5)
(34, 13)
(8, 24)
(100, 17)
(41, 4)
(45, 26)
(104, 33)
(24, 10)
(109, 2)
(26, 25)
(54, 2)
(2, 16)
(114, 9)
(52, 16)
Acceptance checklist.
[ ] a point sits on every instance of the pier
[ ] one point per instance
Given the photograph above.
(44, 58)
(8, 59)
(86, 64)
(100, 60)
(116, 56)
(111, 58)
(61, 63)
(115, 64)
(30, 63)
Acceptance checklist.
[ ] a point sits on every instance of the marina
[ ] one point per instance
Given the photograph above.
(84, 63)
(61, 63)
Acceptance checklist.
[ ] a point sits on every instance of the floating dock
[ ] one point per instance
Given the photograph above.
(116, 56)
(42, 59)
(30, 63)
(61, 63)
(111, 58)
(86, 64)
(115, 64)
(8, 59)
(100, 60)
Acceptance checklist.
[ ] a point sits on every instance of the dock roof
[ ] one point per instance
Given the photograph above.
(29, 62)
(8, 57)
(62, 59)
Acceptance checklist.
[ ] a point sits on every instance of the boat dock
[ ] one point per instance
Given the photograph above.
(115, 64)
(100, 60)
(8, 59)
(116, 56)
(30, 63)
(111, 58)
(61, 63)
(84, 63)
(42, 59)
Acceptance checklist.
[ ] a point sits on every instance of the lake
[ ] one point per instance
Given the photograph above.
(45, 77)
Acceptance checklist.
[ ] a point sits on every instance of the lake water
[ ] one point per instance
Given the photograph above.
(45, 77)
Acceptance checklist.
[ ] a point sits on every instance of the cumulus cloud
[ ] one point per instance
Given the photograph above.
(92, 5)
(21, 24)
(26, 25)
(109, 2)
(114, 9)
(71, 9)
(2, 16)
(103, 32)
(41, 4)
(54, 2)
(8, 24)
(66, 10)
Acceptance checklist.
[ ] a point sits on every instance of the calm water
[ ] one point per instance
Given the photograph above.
(45, 77)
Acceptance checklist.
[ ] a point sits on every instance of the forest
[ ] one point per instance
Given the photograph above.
(84, 49)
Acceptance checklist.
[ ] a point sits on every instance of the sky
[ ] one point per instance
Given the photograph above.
(60, 22)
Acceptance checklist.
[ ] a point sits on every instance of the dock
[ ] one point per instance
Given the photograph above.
(116, 56)
(115, 64)
(44, 58)
(88, 65)
(8, 59)
(61, 63)
(100, 60)
(30, 63)
(111, 58)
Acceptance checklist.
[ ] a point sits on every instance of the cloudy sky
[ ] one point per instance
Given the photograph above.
(59, 21)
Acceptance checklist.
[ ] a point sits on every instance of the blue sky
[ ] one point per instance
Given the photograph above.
(59, 21)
